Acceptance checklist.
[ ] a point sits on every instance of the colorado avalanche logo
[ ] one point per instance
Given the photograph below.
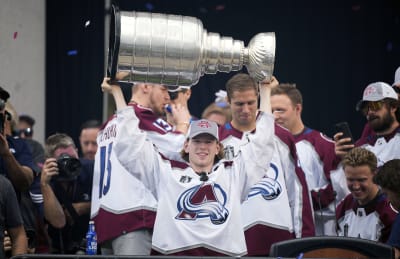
(269, 188)
(202, 201)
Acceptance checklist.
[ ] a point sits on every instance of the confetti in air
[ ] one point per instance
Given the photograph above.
(87, 23)
(15, 35)
(220, 7)
(72, 52)
(389, 46)
(149, 6)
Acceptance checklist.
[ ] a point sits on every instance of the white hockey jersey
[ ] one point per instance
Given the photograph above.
(325, 178)
(384, 147)
(195, 216)
(120, 202)
(271, 213)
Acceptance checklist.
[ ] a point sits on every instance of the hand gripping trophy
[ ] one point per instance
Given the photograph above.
(176, 50)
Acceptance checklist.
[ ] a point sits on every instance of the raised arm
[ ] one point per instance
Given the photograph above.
(265, 94)
(20, 175)
(53, 211)
(115, 90)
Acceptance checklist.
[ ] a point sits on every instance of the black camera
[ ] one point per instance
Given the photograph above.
(69, 168)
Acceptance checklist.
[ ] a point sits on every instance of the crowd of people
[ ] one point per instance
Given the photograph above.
(247, 174)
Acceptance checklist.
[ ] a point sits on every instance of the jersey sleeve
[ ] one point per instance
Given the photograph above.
(169, 144)
(256, 155)
(135, 151)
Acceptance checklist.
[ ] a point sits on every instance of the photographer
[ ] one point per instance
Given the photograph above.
(16, 165)
(66, 187)
(15, 156)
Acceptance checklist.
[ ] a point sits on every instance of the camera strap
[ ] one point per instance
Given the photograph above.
(62, 195)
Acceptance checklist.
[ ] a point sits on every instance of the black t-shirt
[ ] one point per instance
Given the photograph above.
(10, 215)
(79, 190)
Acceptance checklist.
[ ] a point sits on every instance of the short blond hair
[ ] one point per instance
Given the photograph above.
(360, 156)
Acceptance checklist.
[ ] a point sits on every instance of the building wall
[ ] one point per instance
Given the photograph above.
(22, 58)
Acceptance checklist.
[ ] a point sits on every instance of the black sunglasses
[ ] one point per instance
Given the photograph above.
(173, 95)
(28, 132)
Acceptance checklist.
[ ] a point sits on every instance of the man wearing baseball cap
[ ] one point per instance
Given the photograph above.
(380, 106)
(199, 201)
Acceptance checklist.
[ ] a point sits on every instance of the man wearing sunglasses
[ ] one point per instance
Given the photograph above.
(25, 126)
(380, 106)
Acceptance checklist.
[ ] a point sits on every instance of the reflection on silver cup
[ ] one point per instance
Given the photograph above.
(176, 51)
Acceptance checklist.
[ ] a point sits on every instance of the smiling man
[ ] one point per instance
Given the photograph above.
(199, 200)
(365, 212)
(380, 106)
(271, 212)
(316, 155)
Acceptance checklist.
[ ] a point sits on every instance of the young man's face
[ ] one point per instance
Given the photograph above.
(284, 111)
(159, 97)
(244, 107)
(88, 142)
(360, 183)
(202, 150)
(379, 119)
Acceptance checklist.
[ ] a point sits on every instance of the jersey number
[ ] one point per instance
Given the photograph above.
(105, 152)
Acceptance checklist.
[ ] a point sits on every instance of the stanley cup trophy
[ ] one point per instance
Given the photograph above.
(176, 50)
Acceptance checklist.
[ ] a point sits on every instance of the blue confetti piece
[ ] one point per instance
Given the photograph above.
(72, 52)
(389, 46)
(149, 6)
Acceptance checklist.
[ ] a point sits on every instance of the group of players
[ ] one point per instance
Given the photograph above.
(183, 186)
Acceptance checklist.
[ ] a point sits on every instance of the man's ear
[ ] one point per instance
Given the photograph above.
(218, 147)
(299, 108)
(188, 93)
(186, 146)
(146, 88)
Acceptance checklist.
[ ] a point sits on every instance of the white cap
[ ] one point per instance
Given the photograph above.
(397, 78)
(375, 92)
(177, 88)
(203, 126)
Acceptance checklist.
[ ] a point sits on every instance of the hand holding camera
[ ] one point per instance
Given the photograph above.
(63, 168)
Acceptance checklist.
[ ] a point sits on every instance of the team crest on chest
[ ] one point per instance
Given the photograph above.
(269, 187)
(203, 201)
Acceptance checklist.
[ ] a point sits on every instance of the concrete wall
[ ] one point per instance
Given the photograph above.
(22, 58)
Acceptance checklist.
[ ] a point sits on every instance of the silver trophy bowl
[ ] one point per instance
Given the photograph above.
(176, 50)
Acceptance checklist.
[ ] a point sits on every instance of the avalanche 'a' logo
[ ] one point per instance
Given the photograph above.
(269, 187)
(202, 201)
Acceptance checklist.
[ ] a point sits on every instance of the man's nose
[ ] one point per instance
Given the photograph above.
(245, 108)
